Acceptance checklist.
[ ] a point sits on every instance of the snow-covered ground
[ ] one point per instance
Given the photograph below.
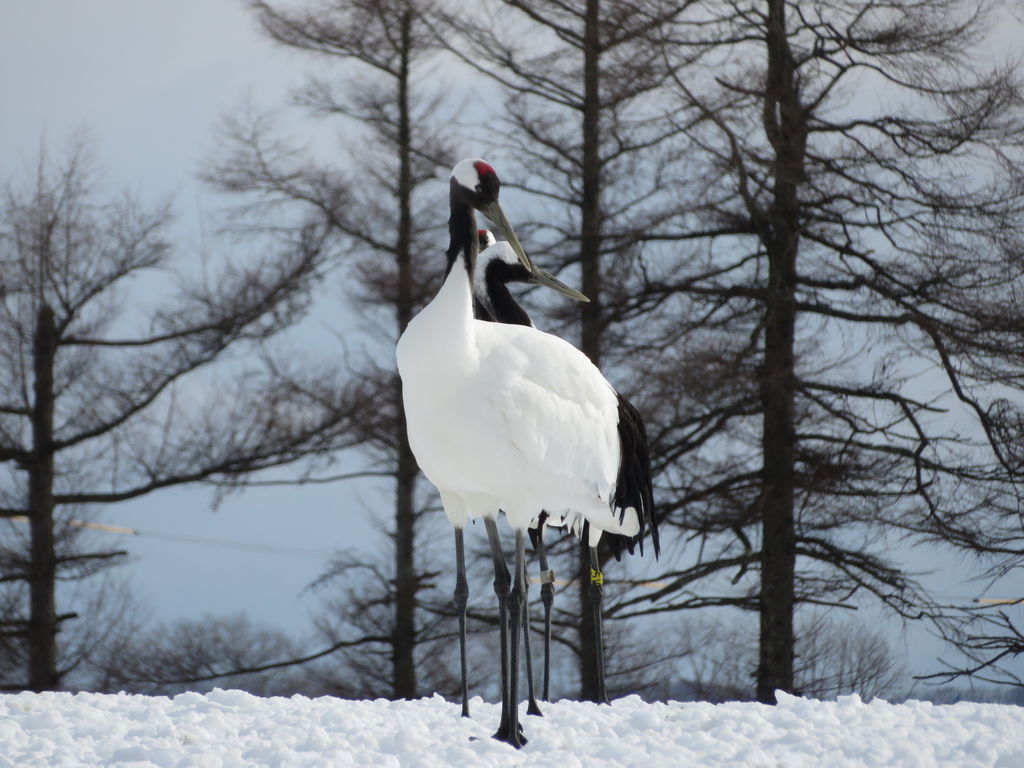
(234, 729)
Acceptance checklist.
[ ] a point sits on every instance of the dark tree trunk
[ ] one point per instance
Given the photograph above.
(404, 637)
(405, 574)
(591, 316)
(42, 624)
(784, 125)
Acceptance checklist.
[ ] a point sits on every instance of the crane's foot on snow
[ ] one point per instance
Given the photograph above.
(517, 739)
(533, 709)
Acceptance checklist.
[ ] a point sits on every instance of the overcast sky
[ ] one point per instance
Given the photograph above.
(149, 79)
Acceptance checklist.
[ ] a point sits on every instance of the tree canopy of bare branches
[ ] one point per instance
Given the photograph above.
(854, 210)
(113, 386)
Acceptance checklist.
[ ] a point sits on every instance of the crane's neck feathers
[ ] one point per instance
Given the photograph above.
(462, 231)
(492, 299)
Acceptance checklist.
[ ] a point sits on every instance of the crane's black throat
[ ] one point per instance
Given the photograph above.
(500, 306)
(462, 232)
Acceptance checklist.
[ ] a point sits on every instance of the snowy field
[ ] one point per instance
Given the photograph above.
(234, 729)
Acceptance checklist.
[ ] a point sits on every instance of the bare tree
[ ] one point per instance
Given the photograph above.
(377, 210)
(986, 646)
(191, 654)
(834, 658)
(582, 131)
(359, 602)
(847, 249)
(103, 399)
(837, 657)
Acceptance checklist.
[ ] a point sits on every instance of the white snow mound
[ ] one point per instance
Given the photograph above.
(234, 729)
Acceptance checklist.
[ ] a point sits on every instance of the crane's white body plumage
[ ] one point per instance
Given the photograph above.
(508, 417)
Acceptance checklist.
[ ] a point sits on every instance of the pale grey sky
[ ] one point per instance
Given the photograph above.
(149, 79)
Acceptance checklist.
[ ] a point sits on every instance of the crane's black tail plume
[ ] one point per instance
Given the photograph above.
(633, 485)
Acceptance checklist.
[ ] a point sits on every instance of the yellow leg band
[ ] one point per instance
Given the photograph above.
(596, 577)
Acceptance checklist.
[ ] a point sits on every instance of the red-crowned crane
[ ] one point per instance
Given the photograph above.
(505, 417)
(497, 266)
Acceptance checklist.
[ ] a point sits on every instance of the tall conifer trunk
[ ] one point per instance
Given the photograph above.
(42, 624)
(404, 638)
(591, 315)
(784, 124)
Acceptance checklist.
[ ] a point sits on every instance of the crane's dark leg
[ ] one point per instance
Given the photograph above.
(547, 597)
(596, 596)
(501, 589)
(531, 707)
(461, 599)
(515, 610)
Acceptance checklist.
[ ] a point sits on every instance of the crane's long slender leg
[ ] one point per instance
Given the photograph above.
(461, 599)
(547, 597)
(517, 603)
(596, 597)
(532, 707)
(501, 590)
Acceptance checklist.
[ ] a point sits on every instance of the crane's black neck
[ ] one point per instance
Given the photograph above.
(500, 306)
(463, 238)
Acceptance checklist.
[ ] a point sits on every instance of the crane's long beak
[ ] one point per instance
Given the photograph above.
(497, 217)
(541, 277)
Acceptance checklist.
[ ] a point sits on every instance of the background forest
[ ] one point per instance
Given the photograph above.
(801, 227)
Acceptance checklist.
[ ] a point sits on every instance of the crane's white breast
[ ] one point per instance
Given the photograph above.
(521, 421)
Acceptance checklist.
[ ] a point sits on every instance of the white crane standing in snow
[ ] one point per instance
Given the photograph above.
(505, 417)
(497, 266)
